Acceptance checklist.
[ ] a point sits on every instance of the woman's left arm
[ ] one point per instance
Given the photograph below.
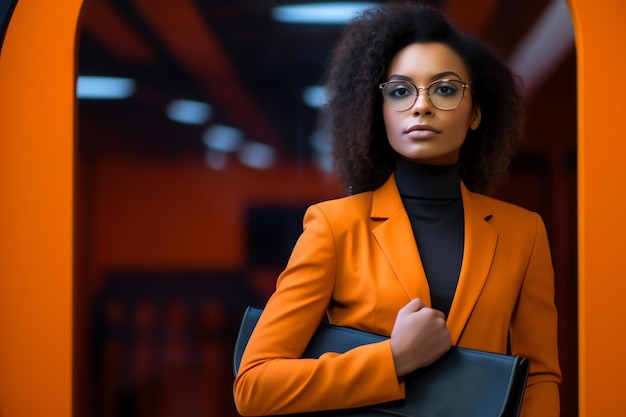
(534, 330)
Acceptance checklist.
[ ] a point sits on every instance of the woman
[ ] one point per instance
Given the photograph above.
(424, 119)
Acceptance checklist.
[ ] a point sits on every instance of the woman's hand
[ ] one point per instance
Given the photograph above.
(419, 337)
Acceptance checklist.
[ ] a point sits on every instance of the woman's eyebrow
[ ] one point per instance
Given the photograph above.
(433, 77)
(400, 77)
(445, 74)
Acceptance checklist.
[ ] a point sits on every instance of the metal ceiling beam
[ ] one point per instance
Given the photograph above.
(470, 16)
(545, 46)
(186, 35)
(100, 20)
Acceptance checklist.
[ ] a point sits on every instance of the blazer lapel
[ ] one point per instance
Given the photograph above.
(480, 246)
(395, 238)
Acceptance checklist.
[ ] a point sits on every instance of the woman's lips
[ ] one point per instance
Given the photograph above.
(421, 132)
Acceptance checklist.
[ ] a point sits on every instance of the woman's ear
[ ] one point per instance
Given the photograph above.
(475, 120)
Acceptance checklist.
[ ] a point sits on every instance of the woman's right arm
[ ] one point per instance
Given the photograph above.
(272, 378)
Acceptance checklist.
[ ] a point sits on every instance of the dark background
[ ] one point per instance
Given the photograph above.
(6, 10)
(172, 246)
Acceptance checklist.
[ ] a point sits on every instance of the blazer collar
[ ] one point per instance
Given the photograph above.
(395, 238)
(386, 200)
(479, 251)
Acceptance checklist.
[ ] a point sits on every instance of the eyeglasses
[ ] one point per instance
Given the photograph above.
(401, 95)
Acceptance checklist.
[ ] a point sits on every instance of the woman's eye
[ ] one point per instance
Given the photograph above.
(399, 91)
(446, 89)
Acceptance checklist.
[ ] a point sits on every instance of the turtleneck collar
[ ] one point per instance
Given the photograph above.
(427, 181)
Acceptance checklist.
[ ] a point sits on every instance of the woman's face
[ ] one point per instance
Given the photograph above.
(423, 133)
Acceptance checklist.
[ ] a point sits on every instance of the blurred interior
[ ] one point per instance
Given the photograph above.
(184, 222)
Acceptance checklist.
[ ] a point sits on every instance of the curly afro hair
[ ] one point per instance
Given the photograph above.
(362, 156)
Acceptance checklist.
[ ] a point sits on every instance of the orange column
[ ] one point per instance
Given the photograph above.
(37, 71)
(600, 36)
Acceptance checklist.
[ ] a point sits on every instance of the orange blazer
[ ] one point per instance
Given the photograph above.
(357, 262)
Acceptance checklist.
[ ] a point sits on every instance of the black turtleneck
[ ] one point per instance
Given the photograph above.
(432, 198)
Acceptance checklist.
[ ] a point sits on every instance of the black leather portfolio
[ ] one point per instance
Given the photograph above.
(463, 383)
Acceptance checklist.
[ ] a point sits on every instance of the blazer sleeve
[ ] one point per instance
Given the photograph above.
(272, 378)
(534, 330)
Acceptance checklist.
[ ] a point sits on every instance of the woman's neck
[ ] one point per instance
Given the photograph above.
(427, 181)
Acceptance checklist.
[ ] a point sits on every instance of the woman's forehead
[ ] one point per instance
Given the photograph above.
(427, 61)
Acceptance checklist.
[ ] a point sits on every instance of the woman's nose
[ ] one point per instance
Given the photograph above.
(422, 103)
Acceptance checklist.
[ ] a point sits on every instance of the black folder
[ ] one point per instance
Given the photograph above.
(463, 383)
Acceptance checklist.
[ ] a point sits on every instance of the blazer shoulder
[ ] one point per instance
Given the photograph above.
(498, 206)
(347, 209)
(508, 216)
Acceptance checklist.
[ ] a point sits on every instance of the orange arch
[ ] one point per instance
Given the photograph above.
(36, 181)
(599, 32)
(37, 70)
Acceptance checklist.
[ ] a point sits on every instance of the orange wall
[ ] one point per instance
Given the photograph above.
(180, 214)
(36, 152)
(36, 155)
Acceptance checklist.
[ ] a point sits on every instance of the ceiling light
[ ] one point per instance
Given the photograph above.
(335, 13)
(320, 141)
(216, 160)
(104, 88)
(189, 112)
(257, 155)
(222, 138)
(315, 96)
(321, 146)
(323, 162)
